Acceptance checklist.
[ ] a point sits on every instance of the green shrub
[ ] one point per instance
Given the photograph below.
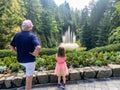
(98, 63)
(49, 67)
(52, 51)
(14, 67)
(48, 51)
(10, 63)
(108, 48)
(6, 53)
(44, 51)
(7, 61)
(76, 64)
(46, 62)
(74, 58)
(39, 63)
(1, 62)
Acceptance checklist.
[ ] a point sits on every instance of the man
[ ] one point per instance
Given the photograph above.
(26, 45)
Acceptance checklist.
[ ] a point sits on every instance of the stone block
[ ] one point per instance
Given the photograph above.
(80, 70)
(2, 79)
(115, 70)
(103, 72)
(74, 74)
(34, 81)
(53, 78)
(23, 78)
(17, 81)
(8, 81)
(42, 77)
(88, 73)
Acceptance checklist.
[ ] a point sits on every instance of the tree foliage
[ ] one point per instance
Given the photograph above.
(95, 25)
(115, 36)
(10, 19)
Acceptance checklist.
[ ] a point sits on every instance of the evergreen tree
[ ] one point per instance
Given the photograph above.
(86, 33)
(10, 19)
(49, 24)
(115, 36)
(64, 16)
(115, 24)
(75, 23)
(104, 27)
(115, 18)
(96, 15)
(34, 11)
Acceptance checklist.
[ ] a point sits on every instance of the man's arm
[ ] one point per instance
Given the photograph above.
(36, 51)
(13, 48)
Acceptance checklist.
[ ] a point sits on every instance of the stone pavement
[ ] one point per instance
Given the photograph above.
(91, 84)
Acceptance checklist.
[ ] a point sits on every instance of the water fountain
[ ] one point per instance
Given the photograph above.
(69, 40)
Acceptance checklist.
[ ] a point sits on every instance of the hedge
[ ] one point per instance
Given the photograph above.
(44, 51)
(112, 47)
(6, 53)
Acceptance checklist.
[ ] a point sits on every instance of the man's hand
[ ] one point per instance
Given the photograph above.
(34, 54)
(13, 48)
(36, 51)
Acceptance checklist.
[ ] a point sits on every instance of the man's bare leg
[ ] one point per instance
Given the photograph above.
(28, 82)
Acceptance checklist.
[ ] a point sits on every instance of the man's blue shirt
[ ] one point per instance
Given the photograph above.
(25, 42)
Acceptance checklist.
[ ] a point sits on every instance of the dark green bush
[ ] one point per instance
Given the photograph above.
(75, 58)
(1, 62)
(52, 51)
(39, 63)
(11, 63)
(48, 51)
(44, 51)
(98, 63)
(112, 47)
(14, 67)
(6, 53)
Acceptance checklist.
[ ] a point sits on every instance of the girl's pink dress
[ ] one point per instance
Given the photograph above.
(61, 68)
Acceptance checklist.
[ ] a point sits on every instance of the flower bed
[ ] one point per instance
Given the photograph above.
(43, 77)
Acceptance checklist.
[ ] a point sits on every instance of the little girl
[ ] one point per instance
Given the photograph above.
(61, 68)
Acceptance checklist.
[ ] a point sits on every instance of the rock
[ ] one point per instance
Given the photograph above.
(53, 78)
(80, 70)
(23, 78)
(17, 81)
(34, 81)
(2, 79)
(8, 81)
(115, 70)
(74, 74)
(88, 72)
(42, 77)
(103, 72)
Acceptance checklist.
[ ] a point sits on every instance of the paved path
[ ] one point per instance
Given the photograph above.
(91, 84)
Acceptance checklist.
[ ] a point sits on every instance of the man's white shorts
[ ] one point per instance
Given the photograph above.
(30, 67)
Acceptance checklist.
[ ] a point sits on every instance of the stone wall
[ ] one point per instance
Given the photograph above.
(43, 77)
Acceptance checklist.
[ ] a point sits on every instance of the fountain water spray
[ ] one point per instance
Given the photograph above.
(69, 40)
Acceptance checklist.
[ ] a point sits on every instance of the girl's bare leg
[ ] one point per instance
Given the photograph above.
(64, 79)
(59, 79)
